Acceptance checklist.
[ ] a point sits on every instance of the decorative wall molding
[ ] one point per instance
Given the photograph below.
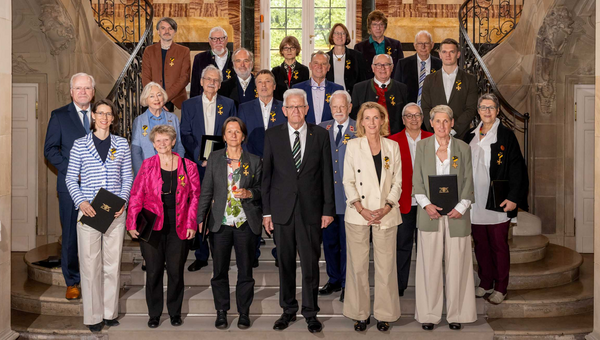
(20, 65)
(57, 26)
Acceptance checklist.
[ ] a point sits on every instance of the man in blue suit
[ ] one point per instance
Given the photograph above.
(66, 125)
(318, 89)
(341, 129)
(204, 115)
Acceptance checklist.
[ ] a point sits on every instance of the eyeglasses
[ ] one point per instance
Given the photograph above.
(104, 114)
(211, 80)
(487, 108)
(424, 44)
(294, 108)
(378, 24)
(219, 39)
(388, 65)
(413, 116)
(289, 48)
(340, 34)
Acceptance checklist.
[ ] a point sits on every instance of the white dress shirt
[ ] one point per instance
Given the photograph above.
(318, 100)
(339, 67)
(221, 61)
(303, 131)
(443, 168)
(481, 152)
(266, 111)
(412, 146)
(209, 107)
(245, 83)
(387, 83)
(449, 80)
(88, 114)
(427, 65)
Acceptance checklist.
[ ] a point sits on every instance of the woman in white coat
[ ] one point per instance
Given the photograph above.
(372, 182)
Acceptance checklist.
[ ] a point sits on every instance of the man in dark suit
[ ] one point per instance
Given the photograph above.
(67, 124)
(241, 88)
(318, 90)
(298, 201)
(412, 70)
(378, 43)
(383, 90)
(204, 115)
(451, 86)
(168, 64)
(218, 56)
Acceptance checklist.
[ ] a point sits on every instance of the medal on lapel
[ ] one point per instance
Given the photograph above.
(328, 97)
(220, 111)
(392, 100)
(347, 64)
(172, 62)
(246, 166)
(273, 116)
(454, 162)
(500, 155)
(112, 153)
(255, 93)
(432, 71)
(145, 128)
(458, 84)
(346, 138)
(296, 75)
(182, 180)
(228, 74)
(389, 50)
(387, 162)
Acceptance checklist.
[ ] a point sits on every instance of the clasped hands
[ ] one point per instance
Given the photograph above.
(432, 211)
(375, 216)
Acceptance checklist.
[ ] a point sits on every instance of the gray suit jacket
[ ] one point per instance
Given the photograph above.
(425, 166)
(214, 190)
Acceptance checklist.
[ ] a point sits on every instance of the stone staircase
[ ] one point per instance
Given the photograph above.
(550, 295)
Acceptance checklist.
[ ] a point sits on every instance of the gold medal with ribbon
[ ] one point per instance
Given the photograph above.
(228, 74)
(346, 138)
(327, 97)
(273, 116)
(255, 93)
(145, 129)
(112, 153)
(246, 166)
(347, 64)
(387, 162)
(172, 62)
(220, 109)
(392, 100)
(500, 155)
(458, 84)
(182, 179)
(296, 75)
(454, 162)
(389, 50)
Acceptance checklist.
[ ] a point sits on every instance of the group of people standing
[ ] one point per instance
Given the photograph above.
(337, 154)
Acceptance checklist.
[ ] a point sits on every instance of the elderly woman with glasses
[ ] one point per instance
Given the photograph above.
(290, 72)
(154, 97)
(347, 66)
(497, 161)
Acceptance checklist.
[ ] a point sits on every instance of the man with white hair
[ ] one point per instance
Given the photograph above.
(298, 202)
(67, 124)
(341, 129)
(241, 88)
(218, 56)
(412, 70)
(383, 90)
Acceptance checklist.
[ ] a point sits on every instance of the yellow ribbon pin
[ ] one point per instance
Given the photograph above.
(112, 153)
(454, 162)
(220, 111)
(228, 74)
(273, 116)
(328, 97)
(145, 128)
(347, 64)
(387, 162)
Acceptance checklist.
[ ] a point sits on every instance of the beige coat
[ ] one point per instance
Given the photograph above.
(360, 180)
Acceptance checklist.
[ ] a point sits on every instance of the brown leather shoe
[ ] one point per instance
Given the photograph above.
(73, 293)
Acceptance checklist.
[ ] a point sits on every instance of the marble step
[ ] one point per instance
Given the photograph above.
(554, 328)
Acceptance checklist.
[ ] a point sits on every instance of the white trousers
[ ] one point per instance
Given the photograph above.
(432, 248)
(99, 265)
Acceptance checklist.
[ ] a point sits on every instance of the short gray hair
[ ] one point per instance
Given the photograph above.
(387, 56)
(443, 109)
(81, 74)
(411, 105)
(488, 96)
(250, 54)
(217, 28)
(423, 32)
(319, 52)
(294, 92)
(146, 93)
(169, 21)
(343, 93)
(212, 68)
(163, 130)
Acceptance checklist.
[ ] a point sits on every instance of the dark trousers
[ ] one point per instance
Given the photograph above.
(203, 252)
(296, 236)
(164, 245)
(69, 260)
(334, 247)
(404, 244)
(243, 241)
(257, 251)
(493, 255)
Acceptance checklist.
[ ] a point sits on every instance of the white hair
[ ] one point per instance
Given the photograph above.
(441, 109)
(424, 32)
(146, 93)
(386, 55)
(81, 74)
(212, 68)
(218, 28)
(294, 92)
(411, 105)
(343, 93)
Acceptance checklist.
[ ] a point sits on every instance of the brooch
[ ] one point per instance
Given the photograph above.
(351, 128)
(392, 100)
(432, 71)
(346, 138)
(112, 153)
(172, 62)
(454, 162)
(327, 97)
(181, 179)
(273, 116)
(145, 128)
(500, 155)
(246, 166)
(347, 64)
(220, 107)
(389, 50)
(255, 93)
(328, 127)
(458, 84)
(387, 162)
(228, 74)
(502, 147)
(295, 74)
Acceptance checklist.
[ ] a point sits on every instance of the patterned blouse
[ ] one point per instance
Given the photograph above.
(234, 212)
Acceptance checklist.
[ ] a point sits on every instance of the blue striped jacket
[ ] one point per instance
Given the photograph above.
(114, 175)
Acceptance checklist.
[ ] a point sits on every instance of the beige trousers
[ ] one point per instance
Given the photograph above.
(460, 288)
(99, 264)
(357, 300)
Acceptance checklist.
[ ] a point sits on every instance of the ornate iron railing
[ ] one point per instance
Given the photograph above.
(129, 24)
(483, 25)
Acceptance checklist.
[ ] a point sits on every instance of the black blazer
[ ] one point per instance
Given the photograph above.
(281, 78)
(395, 99)
(354, 71)
(214, 190)
(231, 89)
(407, 72)
(392, 47)
(463, 99)
(511, 166)
(312, 185)
(201, 60)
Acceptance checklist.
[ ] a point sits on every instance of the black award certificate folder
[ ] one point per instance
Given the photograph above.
(106, 204)
(144, 224)
(443, 192)
(499, 191)
(210, 144)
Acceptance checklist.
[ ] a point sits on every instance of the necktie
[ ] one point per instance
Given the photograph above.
(86, 121)
(296, 151)
(339, 135)
(421, 80)
(289, 77)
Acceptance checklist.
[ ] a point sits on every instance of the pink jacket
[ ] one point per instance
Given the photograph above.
(146, 192)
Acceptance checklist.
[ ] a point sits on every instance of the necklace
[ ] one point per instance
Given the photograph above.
(172, 180)
(481, 132)
(339, 58)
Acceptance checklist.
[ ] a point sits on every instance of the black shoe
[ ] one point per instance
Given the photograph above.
(144, 266)
(455, 326)
(197, 265)
(262, 241)
(221, 321)
(153, 322)
(97, 328)
(111, 323)
(255, 265)
(243, 321)
(342, 294)
(284, 321)
(176, 320)
(401, 292)
(314, 325)
(361, 326)
(277, 263)
(383, 326)
(329, 288)
(427, 326)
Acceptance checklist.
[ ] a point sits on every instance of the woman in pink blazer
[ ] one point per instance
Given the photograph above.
(169, 188)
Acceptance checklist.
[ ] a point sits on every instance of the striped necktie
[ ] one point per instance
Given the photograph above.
(296, 151)
(421, 80)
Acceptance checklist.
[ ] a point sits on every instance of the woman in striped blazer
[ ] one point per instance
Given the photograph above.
(100, 160)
